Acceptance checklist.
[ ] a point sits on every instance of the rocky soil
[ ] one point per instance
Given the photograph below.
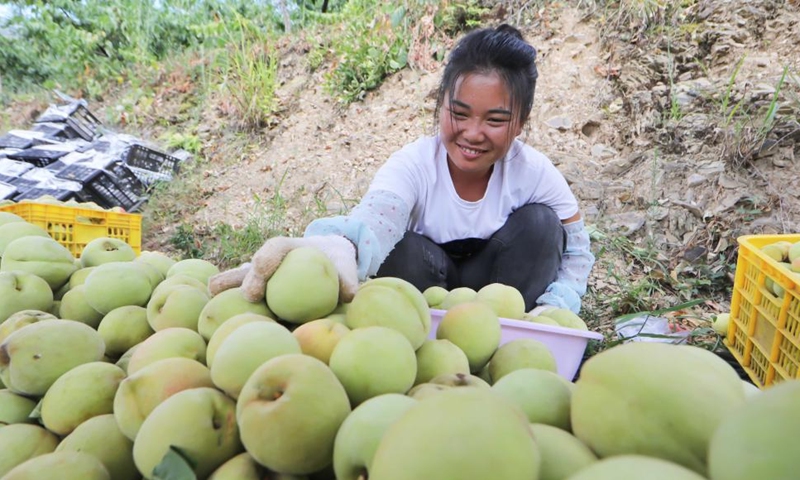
(637, 117)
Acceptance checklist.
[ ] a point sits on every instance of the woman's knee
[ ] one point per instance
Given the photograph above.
(535, 214)
(418, 260)
(533, 222)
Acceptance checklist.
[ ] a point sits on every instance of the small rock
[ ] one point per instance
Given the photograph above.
(628, 222)
(620, 166)
(696, 179)
(591, 212)
(658, 213)
(616, 105)
(590, 190)
(575, 38)
(561, 124)
(603, 152)
(728, 182)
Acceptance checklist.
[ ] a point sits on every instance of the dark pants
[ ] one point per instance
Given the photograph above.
(525, 253)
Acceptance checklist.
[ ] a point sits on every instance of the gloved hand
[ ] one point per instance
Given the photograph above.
(253, 276)
(540, 309)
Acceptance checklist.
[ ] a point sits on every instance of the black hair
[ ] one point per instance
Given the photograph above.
(501, 50)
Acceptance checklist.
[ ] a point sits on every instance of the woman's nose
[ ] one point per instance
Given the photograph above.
(471, 130)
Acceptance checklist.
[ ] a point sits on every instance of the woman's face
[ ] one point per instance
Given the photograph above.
(477, 125)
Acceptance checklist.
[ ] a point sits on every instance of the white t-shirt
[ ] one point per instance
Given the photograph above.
(418, 174)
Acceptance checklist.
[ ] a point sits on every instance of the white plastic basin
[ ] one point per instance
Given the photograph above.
(566, 344)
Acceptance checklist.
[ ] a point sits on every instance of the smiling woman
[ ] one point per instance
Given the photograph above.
(470, 206)
(476, 130)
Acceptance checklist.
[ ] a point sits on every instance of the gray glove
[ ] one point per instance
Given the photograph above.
(253, 276)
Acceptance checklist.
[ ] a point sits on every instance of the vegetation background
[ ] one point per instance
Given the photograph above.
(676, 122)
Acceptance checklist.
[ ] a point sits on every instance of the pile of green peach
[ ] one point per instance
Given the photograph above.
(124, 366)
(506, 301)
(787, 254)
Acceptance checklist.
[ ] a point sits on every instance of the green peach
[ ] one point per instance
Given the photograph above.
(289, 412)
(78, 277)
(753, 442)
(240, 467)
(318, 338)
(225, 305)
(452, 434)
(457, 296)
(176, 306)
(562, 454)
(200, 422)
(459, 380)
(634, 467)
(655, 399)
(75, 306)
(304, 287)
(436, 357)
(221, 333)
(566, 318)
(521, 353)
(124, 327)
(474, 328)
(22, 319)
(82, 393)
(168, 343)
(106, 250)
(101, 438)
(32, 358)
(141, 392)
(505, 300)
(361, 433)
(61, 465)
(543, 396)
(372, 361)
(21, 442)
(14, 230)
(161, 261)
(196, 268)
(246, 349)
(41, 256)
(394, 303)
(8, 217)
(434, 295)
(116, 284)
(23, 291)
(14, 408)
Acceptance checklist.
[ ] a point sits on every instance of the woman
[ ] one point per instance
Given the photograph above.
(467, 207)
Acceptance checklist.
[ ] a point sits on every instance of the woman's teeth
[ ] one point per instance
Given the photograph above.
(471, 151)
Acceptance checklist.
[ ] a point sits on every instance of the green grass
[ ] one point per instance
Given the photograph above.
(249, 72)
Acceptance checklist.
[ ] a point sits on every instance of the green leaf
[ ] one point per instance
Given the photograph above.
(682, 306)
(397, 16)
(174, 466)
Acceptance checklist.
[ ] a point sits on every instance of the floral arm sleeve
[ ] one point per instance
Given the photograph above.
(570, 284)
(374, 226)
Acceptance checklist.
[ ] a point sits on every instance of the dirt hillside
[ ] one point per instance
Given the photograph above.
(640, 124)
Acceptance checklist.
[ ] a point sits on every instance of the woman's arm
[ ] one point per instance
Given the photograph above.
(374, 226)
(573, 274)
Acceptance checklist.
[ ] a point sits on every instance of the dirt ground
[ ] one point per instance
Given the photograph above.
(637, 123)
(636, 116)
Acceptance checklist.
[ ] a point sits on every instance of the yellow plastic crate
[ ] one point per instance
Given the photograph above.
(74, 227)
(764, 329)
